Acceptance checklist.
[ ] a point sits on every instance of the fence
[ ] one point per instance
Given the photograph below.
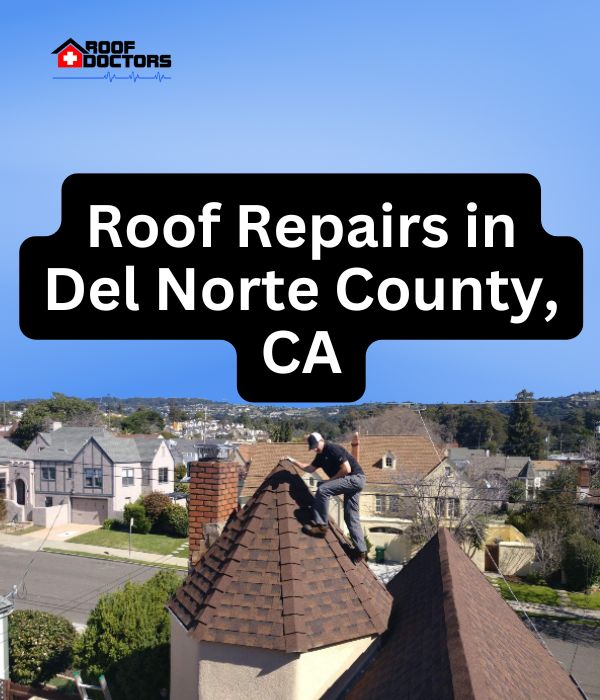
(9, 690)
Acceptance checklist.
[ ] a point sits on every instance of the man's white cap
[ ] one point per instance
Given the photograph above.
(313, 440)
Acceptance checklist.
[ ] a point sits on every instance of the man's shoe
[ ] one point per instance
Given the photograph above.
(356, 555)
(314, 530)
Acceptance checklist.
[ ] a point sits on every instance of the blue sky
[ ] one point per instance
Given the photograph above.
(306, 87)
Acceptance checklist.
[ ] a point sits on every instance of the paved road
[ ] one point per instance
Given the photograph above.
(64, 585)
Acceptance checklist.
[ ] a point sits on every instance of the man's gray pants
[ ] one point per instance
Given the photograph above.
(350, 487)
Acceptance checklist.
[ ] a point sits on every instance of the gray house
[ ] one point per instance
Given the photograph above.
(95, 473)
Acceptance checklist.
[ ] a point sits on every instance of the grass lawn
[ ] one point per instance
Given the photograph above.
(590, 602)
(155, 544)
(530, 594)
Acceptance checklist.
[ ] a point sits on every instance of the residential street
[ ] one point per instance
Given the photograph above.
(64, 585)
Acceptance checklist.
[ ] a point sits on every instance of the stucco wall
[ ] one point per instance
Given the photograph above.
(52, 516)
(185, 659)
(163, 458)
(515, 557)
(124, 494)
(319, 669)
(209, 671)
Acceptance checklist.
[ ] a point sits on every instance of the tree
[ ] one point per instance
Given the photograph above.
(40, 645)
(176, 414)
(69, 410)
(549, 547)
(155, 504)
(144, 420)
(524, 437)
(141, 522)
(281, 432)
(447, 499)
(127, 639)
(581, 562)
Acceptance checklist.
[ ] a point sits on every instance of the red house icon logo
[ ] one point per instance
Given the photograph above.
(70, 54)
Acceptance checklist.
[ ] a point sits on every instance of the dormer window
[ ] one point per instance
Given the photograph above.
(388, 461)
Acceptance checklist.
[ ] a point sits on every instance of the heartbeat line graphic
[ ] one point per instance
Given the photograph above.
(133, 76)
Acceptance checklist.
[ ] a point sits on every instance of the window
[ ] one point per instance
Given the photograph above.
(453, 507)
(92, 478)
(394, 504)
(48, 502)
(2, 485)
(69, 472)
(128, 476)
(163, 475)
(387, 504)
(389, 461)
(447, 507)
(49, 473)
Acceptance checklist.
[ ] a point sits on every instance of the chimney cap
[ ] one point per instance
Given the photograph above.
(213, 451)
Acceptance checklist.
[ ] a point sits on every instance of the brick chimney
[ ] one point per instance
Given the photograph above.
(213, 496)
(583, 481)
(355, 444)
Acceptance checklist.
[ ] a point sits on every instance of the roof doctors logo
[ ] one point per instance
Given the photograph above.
(110, 56)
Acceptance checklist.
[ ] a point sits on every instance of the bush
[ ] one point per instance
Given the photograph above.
(2, 509)
(141, 522)
(40, 645)
(581, 562)
(180, 471)
(174, 521)
(155, 504)
(127, 639)
(112, 524)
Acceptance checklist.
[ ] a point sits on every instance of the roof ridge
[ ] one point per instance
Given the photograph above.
(462, 682)
(264, 583)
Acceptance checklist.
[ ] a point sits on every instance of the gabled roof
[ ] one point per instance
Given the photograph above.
(147, 447)
(452, 637)
(266, 584)
(528, 472)
(71, 42)
(119, 450)
(8, 450)
(64, 443)
(415, 458)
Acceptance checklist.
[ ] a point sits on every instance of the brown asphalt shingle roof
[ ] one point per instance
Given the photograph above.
(452, 637)
(415, 457)
(266, 584)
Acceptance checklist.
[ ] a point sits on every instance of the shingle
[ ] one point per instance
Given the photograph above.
(415, 457)
(8, 450)
(290, 591)
(452, 637)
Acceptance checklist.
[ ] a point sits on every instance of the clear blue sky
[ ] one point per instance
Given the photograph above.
(306, 87)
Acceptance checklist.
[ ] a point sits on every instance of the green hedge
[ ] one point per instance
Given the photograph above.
(581, 562)
(40, 645)
(141, 522)
(127, 639)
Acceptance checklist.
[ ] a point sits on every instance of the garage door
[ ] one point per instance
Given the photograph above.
(89, 511)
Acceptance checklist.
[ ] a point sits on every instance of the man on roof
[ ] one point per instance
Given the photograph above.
(345, 478)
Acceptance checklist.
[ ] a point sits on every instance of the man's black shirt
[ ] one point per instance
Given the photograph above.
(332, 458)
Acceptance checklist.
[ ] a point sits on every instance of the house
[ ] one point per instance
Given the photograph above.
(183, 451)
(393, 465)
(268, 612)
(70, 54)
(16, 480)
(94, 473)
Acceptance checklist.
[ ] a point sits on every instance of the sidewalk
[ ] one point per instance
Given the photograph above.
(55, 539)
